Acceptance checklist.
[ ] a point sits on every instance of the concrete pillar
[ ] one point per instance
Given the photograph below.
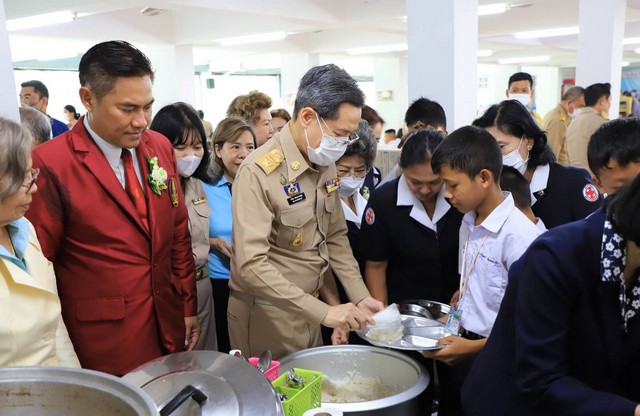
(174, 74)
(8, 99)
(293, 68)
(443, 42)
(600, 46)
(387, 84)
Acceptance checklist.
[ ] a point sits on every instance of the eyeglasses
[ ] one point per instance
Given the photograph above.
(355, 173)
(34, 176)
(340, 139)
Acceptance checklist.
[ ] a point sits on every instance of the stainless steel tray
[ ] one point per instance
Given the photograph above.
(418, 334)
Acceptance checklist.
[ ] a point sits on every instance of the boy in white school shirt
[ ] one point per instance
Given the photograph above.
(493, 235)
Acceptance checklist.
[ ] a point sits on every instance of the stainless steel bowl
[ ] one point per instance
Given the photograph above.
(391, 367)
(423, 308)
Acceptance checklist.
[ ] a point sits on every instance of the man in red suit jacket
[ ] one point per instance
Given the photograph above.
(127, 283)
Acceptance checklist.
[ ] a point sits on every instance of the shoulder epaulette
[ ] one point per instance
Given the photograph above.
(268, 162)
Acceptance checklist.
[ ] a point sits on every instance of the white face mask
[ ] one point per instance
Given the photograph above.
(576, 113)
(350, 185)
(187, 165)
(329, 151)
(523, 98)
(514, 159)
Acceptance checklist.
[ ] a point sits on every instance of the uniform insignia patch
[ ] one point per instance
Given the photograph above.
(295, 165)
(199, 200)
(370, 216)
(590, 193)
(333, 184)
(277, 155)
(297, 241)
(292, 189)
(270, 161)
(173, 192)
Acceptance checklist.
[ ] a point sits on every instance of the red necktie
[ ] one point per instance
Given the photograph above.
(133, 188)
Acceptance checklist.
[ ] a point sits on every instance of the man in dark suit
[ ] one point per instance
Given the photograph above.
(563, 342)
(111, 218)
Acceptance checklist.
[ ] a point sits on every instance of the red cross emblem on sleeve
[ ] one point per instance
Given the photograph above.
(590, 193)
(370, 216)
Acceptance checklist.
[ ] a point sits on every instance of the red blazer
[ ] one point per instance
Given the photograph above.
(124, 291)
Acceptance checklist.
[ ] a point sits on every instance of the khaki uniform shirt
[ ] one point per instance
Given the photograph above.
(555, 124)
(578, 136)
(199, 211)
(287, 229)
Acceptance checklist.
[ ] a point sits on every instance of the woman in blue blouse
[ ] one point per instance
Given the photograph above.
(233, 140)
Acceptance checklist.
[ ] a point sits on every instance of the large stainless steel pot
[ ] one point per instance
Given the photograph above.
(232, 385)
(51, 391)
(392, 367)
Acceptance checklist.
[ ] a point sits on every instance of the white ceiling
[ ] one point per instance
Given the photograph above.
(314, 26)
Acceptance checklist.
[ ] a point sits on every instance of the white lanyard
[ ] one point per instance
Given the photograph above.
(464, 275)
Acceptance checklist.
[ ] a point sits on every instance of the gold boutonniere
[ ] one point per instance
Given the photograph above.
(157, 176)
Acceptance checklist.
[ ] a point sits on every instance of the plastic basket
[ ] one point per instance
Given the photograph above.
(301, 400)
(272, 373)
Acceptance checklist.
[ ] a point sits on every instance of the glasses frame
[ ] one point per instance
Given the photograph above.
(340, 139)
(34, 176)
(352, 173)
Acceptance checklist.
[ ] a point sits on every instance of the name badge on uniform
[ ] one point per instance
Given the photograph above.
(333, 184)
(453, 321)
(199, 200)
(296, 198)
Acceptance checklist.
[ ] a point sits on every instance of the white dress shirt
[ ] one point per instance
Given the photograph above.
(491, 248)
(418, 212)
(114, 156)
(360, 204)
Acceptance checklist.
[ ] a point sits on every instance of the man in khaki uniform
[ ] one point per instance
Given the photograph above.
(556, 121)
(597, 98)
(289, 227)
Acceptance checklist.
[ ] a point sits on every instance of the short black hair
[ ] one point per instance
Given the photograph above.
(38, 86)
(511, 117)
(615, 141)
(391, 131)
(622, 210)
(427, 111)
(177, 122)
(594, 92)
(469, 149)
(104, 63)
(511, 180)
(419, 147)
(521, 76)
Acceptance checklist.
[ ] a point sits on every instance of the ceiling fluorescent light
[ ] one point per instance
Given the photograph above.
(624, 63)
(484, 53)
(243, 40)
(524, 60)
(496, 8)
(398, 47)
(637, 50)
(547, 33)
(630, 41)
(40, 20)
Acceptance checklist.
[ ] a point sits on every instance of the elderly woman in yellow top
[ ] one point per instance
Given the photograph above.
(31, 328)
